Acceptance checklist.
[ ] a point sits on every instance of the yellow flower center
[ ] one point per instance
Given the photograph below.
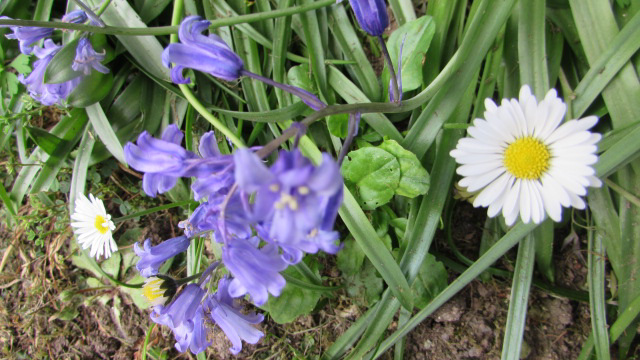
(527, 158)
(152, 290)
(101, 224)
(286, 200)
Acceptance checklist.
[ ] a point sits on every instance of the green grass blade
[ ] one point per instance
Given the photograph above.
(105, 132)
(597, 293)
(519, 300)
(403, 10)
(80, 167)
(544, 249)
(281, 39)
(345, 35)
(427, 125)
(531, 47)
(316, 50)
(501, 247)
(606, 67)
(597, 28)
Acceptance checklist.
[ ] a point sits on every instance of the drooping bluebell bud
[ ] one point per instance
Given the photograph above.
(208, 54)
(87, 58)
(27, 35)
(371, 15)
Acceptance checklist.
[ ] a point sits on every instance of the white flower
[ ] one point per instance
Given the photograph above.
(93, 226)
(523, 162)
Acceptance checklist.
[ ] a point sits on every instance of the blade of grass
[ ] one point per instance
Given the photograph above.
(501, 247)
(519, 299)
(105, 132)
(403, 10)
(316, 51)
(281, 40)
(617, 54)
(80, 167)
(597, 294)
(351, 47)
(531, 47)
(423, 132)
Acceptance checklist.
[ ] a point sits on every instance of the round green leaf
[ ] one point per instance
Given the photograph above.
(294, 300)
(414, 179)
(376, 174)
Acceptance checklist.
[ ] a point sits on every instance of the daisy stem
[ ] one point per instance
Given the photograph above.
(146, 342)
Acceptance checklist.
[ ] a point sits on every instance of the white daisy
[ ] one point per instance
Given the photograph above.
(522, 161)
(93, 226)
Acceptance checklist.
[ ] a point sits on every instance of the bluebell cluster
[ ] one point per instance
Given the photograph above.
(86, 60)
(293, 211)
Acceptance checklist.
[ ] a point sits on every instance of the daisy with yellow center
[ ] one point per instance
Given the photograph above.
(522, 161)
(93, 226)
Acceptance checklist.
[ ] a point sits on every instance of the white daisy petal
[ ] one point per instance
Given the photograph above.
(523, 162)
(93, 226)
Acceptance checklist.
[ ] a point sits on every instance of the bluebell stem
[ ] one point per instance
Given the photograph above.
(47, 94)
(208, 54)
(223, 312)
(371, 15)
(354, 123)
(152, 257)
(27, 35)
(87, 58)
(395, 94)
(308, 98)
(255, 271)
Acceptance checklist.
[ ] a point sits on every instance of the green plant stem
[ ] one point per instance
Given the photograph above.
(624, 193)
(153, 209)
(143, 355)
(167, 30)
(200, 108)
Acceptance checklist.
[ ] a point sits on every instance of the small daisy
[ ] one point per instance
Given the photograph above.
(522, 161)
(93, 226)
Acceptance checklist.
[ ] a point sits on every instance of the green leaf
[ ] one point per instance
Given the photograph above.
(350, 258)
(9, 84)
(21, 64)
(92, 89)
(105, 132)
(338, 125)
(418, 33)
(414, 179)
(112, 265)
(432, 279)
(45, 140)
(365, 286)
(59, 69)
(300, 76)
(375, 172)
(293, 301)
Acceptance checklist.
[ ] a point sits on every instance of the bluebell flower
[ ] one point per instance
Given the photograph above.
(295, 202)
(207, 217)
(255, 271)
(208, 54)
(371, 15)
(237, 326)
(152, 257)
(87, 58)
(192, 334)
(163, 161)
(27, 35)
(182, 308)
(75, 17)
(220, 178)
(47, 94)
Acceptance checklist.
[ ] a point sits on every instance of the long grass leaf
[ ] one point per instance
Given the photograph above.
(105, 132)
(597, 293)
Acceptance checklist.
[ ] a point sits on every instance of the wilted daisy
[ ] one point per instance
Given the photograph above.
(521, 160)
(93, 226)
